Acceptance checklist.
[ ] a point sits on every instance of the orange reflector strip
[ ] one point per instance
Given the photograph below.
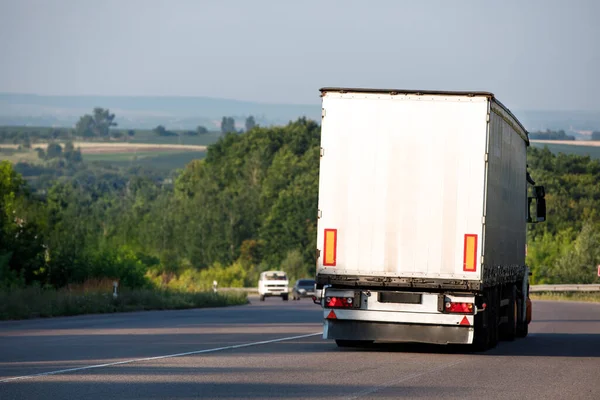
(330, 247)
(465, 322)
(331, 315)
(470, 255)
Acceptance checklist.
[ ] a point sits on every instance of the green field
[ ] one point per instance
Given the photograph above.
(168, 159)
(15, 156)
(140, 136)
(165, 160)
(580, 150)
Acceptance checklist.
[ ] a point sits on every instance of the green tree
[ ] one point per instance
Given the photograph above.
(21, 248)
(97, 124)
(54, 150)
(227, 125)
(250, 123)
(41, 153)
(103, 121)
(579, 264)
(295, 266)
(71, 154)
(162, 131)
(85, 126)
(117, 135)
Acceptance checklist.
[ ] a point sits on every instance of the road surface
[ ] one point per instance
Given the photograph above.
(274, 350)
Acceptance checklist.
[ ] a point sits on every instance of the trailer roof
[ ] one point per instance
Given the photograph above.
(407, 91)
(429, 92)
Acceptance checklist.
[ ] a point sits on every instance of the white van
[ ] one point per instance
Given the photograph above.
(273, 283)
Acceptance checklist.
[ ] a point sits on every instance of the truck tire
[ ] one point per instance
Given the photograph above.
(522, 325)
(481, 340)
(486, 323)
(353, 343)
(284, 297)
(494, 316)
(509, 330)
(262, 297)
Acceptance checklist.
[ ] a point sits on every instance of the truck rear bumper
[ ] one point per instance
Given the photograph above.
(397, 332)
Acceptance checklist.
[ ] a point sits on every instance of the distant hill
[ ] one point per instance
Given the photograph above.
(146, 112)
(581, 148)
(189, 112)
(574, 123)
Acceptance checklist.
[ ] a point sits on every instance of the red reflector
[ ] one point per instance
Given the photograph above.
(465, 321)
(339, 301)
(466, 308)
(331, 315)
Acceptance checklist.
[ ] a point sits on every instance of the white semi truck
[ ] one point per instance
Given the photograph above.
(424, 200)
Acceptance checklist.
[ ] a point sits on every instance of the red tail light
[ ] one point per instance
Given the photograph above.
(339, 302)
(462, 308)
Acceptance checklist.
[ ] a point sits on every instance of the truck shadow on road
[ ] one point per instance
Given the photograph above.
(174, 389)
(538, 344)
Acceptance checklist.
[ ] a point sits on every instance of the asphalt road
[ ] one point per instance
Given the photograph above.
(262, 351)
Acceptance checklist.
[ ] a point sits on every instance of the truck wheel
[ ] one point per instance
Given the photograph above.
(284, 296)
(353, 343)
(522, 325)
(481, 340)
(486, 324)
(494, 316)
(509, 329)
(262, 297)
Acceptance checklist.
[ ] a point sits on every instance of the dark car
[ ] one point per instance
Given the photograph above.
(303, 288)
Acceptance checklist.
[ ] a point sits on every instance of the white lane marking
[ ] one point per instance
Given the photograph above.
(400, 380)
(189, 353)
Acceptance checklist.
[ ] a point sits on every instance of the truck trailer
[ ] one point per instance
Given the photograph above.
(424, 201)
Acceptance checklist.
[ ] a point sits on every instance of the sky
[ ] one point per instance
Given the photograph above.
(533, 54)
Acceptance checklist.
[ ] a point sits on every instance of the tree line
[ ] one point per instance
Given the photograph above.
(564, 249)
(228, 125)
(249, 206)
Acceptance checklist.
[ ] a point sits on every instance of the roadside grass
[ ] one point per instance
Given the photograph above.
(36, 302)
(593, 297)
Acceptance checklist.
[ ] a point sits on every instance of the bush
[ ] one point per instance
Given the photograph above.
(120, 264)
(194, 280)
(294, 266)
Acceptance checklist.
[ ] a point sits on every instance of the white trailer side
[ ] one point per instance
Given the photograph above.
(506, 197)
